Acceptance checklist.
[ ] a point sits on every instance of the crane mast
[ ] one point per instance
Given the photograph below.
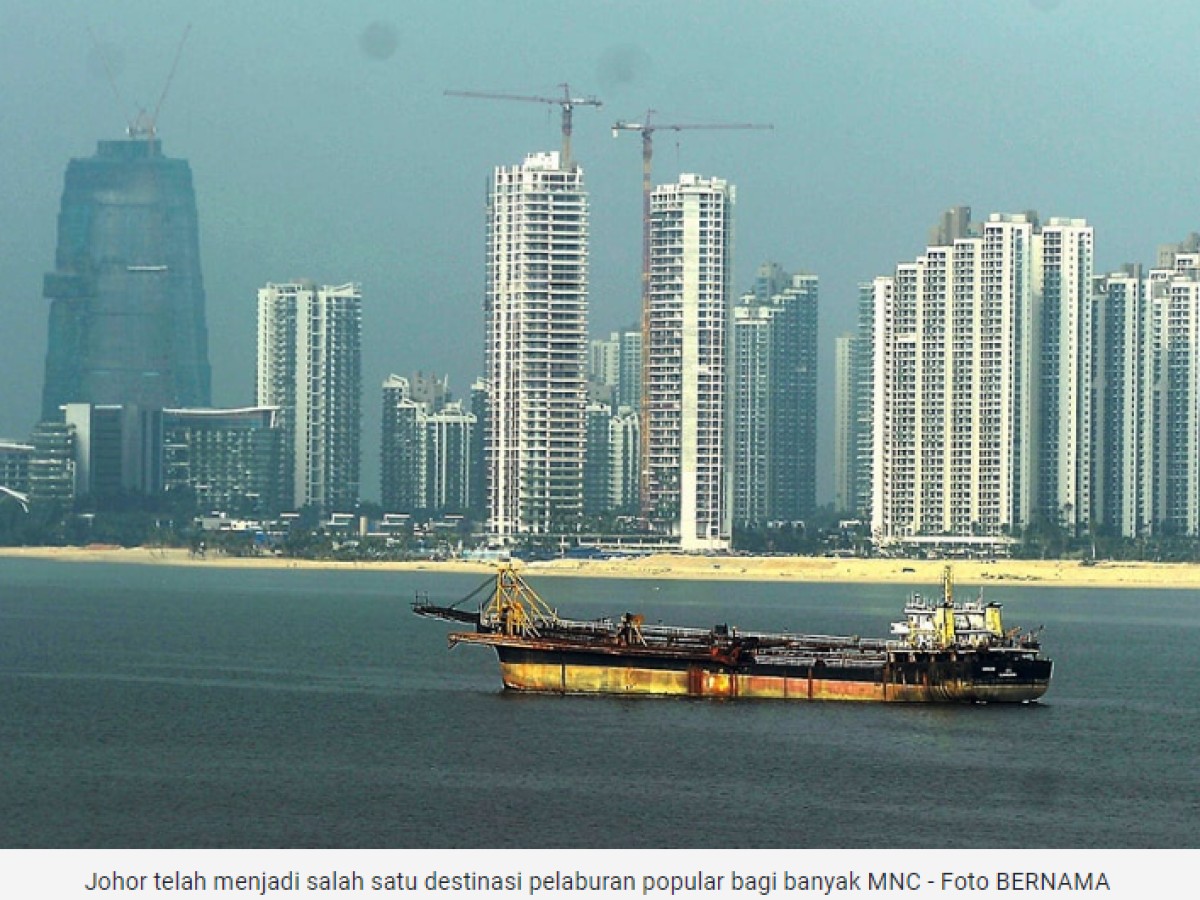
(143, 124)
(646, 128)
(566, 102)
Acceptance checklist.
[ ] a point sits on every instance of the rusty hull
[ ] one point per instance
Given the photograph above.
(550, 665)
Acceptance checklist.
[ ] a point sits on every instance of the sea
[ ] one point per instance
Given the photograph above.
(148, 706)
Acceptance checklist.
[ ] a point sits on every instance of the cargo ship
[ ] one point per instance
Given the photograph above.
(943, 651)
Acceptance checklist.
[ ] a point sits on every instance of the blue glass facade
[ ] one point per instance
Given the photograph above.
(127, 319)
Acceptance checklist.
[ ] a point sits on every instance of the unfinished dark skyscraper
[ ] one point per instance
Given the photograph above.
(127, 299)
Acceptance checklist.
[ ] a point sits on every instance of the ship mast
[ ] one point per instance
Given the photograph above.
(943, 617)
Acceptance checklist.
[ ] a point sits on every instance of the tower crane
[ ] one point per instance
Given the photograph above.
(566, 102)
(647, 127)
(142, 125)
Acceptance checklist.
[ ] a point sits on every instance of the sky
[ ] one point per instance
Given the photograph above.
(323, 146)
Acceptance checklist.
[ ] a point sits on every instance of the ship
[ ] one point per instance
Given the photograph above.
(942, 651)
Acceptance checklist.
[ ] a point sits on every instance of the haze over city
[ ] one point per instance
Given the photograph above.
(323, 146)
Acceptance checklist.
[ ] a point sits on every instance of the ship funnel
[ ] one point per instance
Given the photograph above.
(992, 620)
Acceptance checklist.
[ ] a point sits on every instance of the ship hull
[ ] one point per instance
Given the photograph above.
(924, 678)
(950, 653)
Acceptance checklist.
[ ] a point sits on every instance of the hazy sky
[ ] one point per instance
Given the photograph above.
(322, 145)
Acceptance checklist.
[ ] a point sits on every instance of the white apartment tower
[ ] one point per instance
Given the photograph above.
(982, 387)
(685, 389)
(844, 432)
(752, 407)
(1147, 455)
(1128, 320)
(310, 366)
(403, 448)
(1175, 294)
(1063, 292)
(536, 353)
(426, 448)
(951, 384)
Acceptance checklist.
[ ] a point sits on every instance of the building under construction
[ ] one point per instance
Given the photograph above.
(127, 322)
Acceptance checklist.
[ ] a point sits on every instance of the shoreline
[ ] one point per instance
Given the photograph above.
(799, 569)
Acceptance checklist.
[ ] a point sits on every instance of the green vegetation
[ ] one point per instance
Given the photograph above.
(169, 520)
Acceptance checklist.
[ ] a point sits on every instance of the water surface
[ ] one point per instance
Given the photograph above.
(147, 706)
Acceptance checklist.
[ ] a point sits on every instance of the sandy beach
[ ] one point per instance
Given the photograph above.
(926, 573)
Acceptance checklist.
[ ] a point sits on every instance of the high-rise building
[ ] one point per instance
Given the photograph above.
(863, 387)
(1146, 455)
(845, 432)
(982, 407)
(1062, 290)
(604, 360)
(597, 462)
(775, 399)
(432, 390)
(402, 454)
(127, 322)
(615, 362)
(14, 466)
(478, 493)
(117, 450)
(1128, 372)
(955, 393)
(1175, 296)
(229, 459)
(450, 434)
(769, 280)
(685, 384)
(795, 415)
(536, 346)
(954, 223)
(52, 467)
(752, 370)
(624, 456)
(1168, 252)
(611, 471)
(426, 449)
(629, 379)
(310, 367)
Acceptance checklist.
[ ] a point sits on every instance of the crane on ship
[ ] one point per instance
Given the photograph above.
(646, 128)
(567, 102)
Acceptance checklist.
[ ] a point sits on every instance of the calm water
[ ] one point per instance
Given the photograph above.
(146, 706)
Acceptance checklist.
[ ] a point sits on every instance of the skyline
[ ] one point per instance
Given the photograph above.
(382, 181)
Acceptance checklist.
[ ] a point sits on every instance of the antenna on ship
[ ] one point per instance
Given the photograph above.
(943, 615)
